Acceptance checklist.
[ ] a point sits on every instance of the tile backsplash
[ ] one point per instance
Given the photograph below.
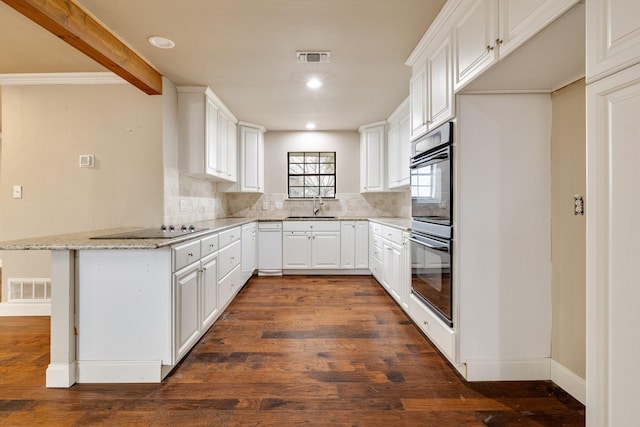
(188, 199)
(396, 204)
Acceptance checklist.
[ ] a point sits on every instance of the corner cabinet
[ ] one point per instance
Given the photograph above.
(373, 138)
(207, 135)
(250, 159)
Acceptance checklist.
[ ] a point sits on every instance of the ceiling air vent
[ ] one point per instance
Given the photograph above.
(313, 56)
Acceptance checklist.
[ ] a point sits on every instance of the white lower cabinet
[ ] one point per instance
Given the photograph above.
(296, 249)
(229, 286)
(249, 250)
(390, 261)
(311, 245)
(187, 324)
(209, 290)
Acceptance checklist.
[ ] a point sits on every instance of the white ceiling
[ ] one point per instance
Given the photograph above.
(245, 51)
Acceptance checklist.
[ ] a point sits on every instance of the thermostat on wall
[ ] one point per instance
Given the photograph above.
(86, 160)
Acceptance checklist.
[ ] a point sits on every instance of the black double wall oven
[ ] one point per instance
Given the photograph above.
(432, 227)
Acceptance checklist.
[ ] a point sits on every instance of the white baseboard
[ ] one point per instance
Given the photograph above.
(509, 370)
(119, 371)
(61, 376)
(29, 309)
(569, 382)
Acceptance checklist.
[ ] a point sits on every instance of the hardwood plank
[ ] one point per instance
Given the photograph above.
(288, 351)
(72, 24)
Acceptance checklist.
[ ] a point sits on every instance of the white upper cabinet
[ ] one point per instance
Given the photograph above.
(373, 139)
(613, 39)
(249, 159)
(485, 31)
(398, 147)
(207, 135)
(418, 101)
(475, 32)
(440, 107)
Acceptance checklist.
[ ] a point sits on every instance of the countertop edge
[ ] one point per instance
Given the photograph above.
(83, 241)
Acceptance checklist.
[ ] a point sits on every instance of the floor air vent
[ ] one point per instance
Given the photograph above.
(29, 290)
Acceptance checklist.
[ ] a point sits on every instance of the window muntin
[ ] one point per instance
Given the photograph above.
(311, 174)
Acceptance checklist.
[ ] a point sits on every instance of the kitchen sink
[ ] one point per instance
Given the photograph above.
(311, 217)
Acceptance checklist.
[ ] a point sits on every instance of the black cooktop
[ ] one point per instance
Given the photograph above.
(152, 233)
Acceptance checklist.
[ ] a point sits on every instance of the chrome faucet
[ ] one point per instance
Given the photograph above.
(316, 210)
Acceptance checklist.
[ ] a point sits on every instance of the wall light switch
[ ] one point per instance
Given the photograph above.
(17, 191)
(87, 160)
(265, 206)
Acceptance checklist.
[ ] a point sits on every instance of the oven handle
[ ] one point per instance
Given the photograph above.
(431, 244)
(433, 157)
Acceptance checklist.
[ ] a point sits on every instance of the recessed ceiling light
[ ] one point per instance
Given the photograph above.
(314, 84)
(161, 42)
(311, 126)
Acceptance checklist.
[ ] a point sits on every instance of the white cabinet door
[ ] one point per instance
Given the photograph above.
(519, 20)
(296, 249)
(251, 159)
(474, 35)
(613, 149)
(232, 151)
(439, 85)
(209, 290)
(186, 321)
(418, 101)
(348, 244)
(249, 250)
(398, 147)
(613, 36)
(405, 273)
(211, 137)
(388, 278)
(362, 244)
(325, 249)
(393, 155)
(372, 149)
(222, 145)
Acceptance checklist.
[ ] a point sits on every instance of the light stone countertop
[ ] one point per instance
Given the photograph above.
(83, 240)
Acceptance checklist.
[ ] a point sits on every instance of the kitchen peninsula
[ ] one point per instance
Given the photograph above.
(128, 310)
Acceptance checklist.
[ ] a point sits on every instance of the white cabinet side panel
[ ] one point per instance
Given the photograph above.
(124, 302)
(503, 227)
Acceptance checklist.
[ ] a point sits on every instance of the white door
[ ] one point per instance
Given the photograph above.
(613, 203)
(296, 249)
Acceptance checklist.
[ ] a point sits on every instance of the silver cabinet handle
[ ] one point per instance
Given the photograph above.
(489, 48)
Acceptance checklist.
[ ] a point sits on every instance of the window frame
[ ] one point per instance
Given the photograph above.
(304, 175)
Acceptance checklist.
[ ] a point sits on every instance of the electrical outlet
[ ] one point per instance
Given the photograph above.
(278, 205)
(265, 206)
(17, 191)
(183, 205)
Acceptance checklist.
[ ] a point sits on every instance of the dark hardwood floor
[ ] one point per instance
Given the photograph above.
(289, 351)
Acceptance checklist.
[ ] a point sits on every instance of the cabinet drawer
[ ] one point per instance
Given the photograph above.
(376, 241)
(393, 234)
(375, 228)
(228, 258)
(208, 245)
(376, 252)
(228, 236)
(439, 333)
(185, 254)
(229, 286)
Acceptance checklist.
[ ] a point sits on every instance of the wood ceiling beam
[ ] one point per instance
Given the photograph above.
(74, 25)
